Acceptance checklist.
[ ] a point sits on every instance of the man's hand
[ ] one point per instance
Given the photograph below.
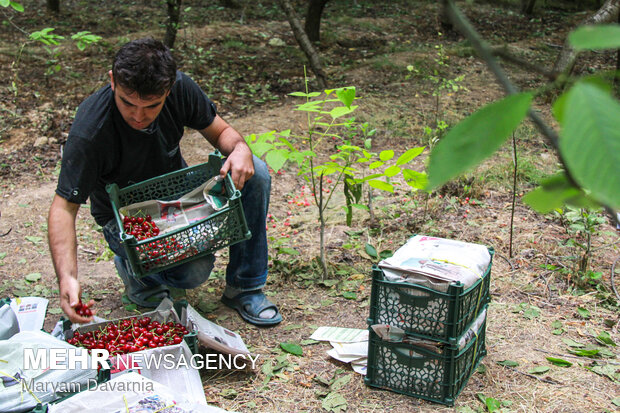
(232, 145)
(70, 294)
(240, 165)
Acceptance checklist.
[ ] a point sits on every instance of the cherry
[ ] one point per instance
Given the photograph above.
(83, 310)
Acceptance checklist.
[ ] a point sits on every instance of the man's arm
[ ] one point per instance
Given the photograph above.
(228, 141)
(63, 247)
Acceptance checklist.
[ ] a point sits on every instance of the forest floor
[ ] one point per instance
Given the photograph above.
(248, 62)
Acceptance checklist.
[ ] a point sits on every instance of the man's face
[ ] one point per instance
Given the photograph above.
(138, 112)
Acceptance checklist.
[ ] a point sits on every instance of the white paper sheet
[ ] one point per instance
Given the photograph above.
(30, 312)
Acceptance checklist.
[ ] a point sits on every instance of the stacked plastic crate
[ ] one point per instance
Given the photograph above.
(432, 340)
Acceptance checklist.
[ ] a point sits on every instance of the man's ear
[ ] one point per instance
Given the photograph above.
(111, 80)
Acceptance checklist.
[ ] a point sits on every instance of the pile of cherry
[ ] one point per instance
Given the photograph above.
(155, 252)
(129, 335)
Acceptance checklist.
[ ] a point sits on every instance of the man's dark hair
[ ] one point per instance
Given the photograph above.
(145, 66)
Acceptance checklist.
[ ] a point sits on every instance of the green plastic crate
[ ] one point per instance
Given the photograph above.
(437, 375)
(219, 230)
(424, 312)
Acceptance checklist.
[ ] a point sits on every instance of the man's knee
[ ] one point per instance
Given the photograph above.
(261, 181)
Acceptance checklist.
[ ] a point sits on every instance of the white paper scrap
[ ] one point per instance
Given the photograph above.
(360, 366)
(343, 358)
(340, 334)
(358, 350)
(30, 312)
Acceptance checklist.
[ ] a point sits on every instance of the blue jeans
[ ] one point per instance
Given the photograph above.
(247, 266)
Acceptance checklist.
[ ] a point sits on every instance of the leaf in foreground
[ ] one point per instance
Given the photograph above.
(33, 277)
(539, 370)
(292, 348)
(334, 402)
(583, 312)
(508, 363)
(572, 343)
(604, 36)
(340, 382)
(476, 138)
(590, 136)
(610, 371)
(559, 362)
(605, 339)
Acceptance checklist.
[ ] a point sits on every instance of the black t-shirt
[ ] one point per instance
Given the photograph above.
(102, 148)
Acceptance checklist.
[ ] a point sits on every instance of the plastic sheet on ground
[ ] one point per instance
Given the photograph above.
(132, 393)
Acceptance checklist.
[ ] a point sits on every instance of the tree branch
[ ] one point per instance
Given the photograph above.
(567, 57)
(304, 42)
(504, 53)
(484, 50)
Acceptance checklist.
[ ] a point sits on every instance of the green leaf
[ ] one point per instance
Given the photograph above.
(289, 251)
(276, 158)
(572, 343)
(33, 277)
(302, 94)
(346, 95)
(603, 36)
(2, 255)
(554, 192)
(391, 171)
(386, 155)
(608, 370)
(605, 339)
(5, 3)
(341, 111)
(308, 342)
(131, 307)
(349, 295)
(476, 137)
(17, 6)
(493, 405)
(34, 240)
(375, 165)
(415, 179)
(54, 311)
(384, 186)
(508, 363)
(292, 348)
(539, 370)
(559, 362)
(409, 155)
(586, 352)
(334, 402)
(616, 401)
(583, 312)
(590, 136)
(208, 306)
(340, 382)
(370, 250)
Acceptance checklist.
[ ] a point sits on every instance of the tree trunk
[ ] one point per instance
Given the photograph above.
(527, 7)
(172, 25)
(313, 19)
(53, 6)
(606, 14)
(304, 43)
(444, 19)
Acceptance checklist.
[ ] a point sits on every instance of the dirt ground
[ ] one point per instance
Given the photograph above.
(539, 309)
